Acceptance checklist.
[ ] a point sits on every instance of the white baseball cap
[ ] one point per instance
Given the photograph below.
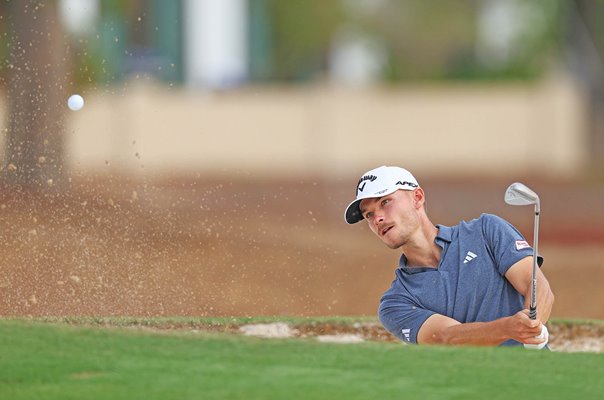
(379, 182)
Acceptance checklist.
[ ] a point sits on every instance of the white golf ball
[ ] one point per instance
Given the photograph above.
(75, 102)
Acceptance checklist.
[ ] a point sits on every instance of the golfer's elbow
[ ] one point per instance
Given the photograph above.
(547, 306)
(551, 299)
(442, 336)
(545, 300)
(439, 330)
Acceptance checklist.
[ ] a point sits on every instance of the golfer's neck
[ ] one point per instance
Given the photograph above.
(422, 251)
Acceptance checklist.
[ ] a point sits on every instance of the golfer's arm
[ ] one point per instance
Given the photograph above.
(520, 275)
(439, 329)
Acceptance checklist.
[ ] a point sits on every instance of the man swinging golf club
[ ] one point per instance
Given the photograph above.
(467, 284)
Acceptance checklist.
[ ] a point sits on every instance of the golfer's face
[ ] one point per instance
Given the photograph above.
(391, 217)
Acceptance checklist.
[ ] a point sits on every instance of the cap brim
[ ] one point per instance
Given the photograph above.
(353, 211)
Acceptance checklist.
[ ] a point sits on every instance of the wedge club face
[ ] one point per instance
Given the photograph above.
(518, 194)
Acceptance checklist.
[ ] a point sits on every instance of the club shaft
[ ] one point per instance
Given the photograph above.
(533, 307)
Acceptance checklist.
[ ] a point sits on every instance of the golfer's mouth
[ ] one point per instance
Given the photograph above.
(385, 230)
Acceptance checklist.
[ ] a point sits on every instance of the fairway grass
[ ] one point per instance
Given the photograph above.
(60, 361)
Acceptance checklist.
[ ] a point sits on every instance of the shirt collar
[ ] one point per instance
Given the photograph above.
(444, 236)
(444, 233)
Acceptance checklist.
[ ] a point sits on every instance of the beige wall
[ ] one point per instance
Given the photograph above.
(480, 129)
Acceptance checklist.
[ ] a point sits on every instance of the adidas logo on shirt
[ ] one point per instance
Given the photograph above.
(469, 257)
(406, 334)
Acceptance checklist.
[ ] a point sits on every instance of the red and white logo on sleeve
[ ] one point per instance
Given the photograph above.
(521, 244)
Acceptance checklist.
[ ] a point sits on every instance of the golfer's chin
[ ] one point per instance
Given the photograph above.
(393, 244)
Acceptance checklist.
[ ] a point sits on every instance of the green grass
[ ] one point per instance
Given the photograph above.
(40, 360)
(183, 322)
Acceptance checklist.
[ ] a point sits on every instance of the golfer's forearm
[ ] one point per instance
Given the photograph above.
(545, 299)
(473, 333)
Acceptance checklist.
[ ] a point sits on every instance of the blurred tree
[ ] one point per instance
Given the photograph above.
(3, 42)
(586, 44)
(423, 39)
(36, 91)
(260, 43)
(433, 39)
(301, 35)
(131, 38)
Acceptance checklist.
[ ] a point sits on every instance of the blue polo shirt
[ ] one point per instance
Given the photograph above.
(469, 284)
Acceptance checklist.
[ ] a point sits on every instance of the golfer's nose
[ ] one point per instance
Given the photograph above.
(378, 217)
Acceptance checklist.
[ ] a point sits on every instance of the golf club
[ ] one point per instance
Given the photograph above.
(518, 194)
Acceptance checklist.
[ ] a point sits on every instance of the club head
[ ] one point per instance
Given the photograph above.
(518, 194)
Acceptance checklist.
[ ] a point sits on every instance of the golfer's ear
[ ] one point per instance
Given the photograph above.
(419, 197)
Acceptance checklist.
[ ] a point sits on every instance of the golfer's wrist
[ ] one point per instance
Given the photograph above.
(507, 328)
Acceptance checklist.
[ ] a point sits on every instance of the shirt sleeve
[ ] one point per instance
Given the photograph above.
(401, 316)
(505, 243)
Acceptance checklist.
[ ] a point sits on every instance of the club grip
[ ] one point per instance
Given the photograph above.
(533, 312)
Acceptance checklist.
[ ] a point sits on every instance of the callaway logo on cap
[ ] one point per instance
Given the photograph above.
(379, 182)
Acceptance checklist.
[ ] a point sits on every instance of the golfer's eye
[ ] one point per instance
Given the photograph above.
(385, 201)
(369, 215)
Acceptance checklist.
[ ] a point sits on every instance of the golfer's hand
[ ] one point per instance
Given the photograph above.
(544, 336)
(525, 330)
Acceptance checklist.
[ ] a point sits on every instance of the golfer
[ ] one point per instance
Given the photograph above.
(468, 284)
